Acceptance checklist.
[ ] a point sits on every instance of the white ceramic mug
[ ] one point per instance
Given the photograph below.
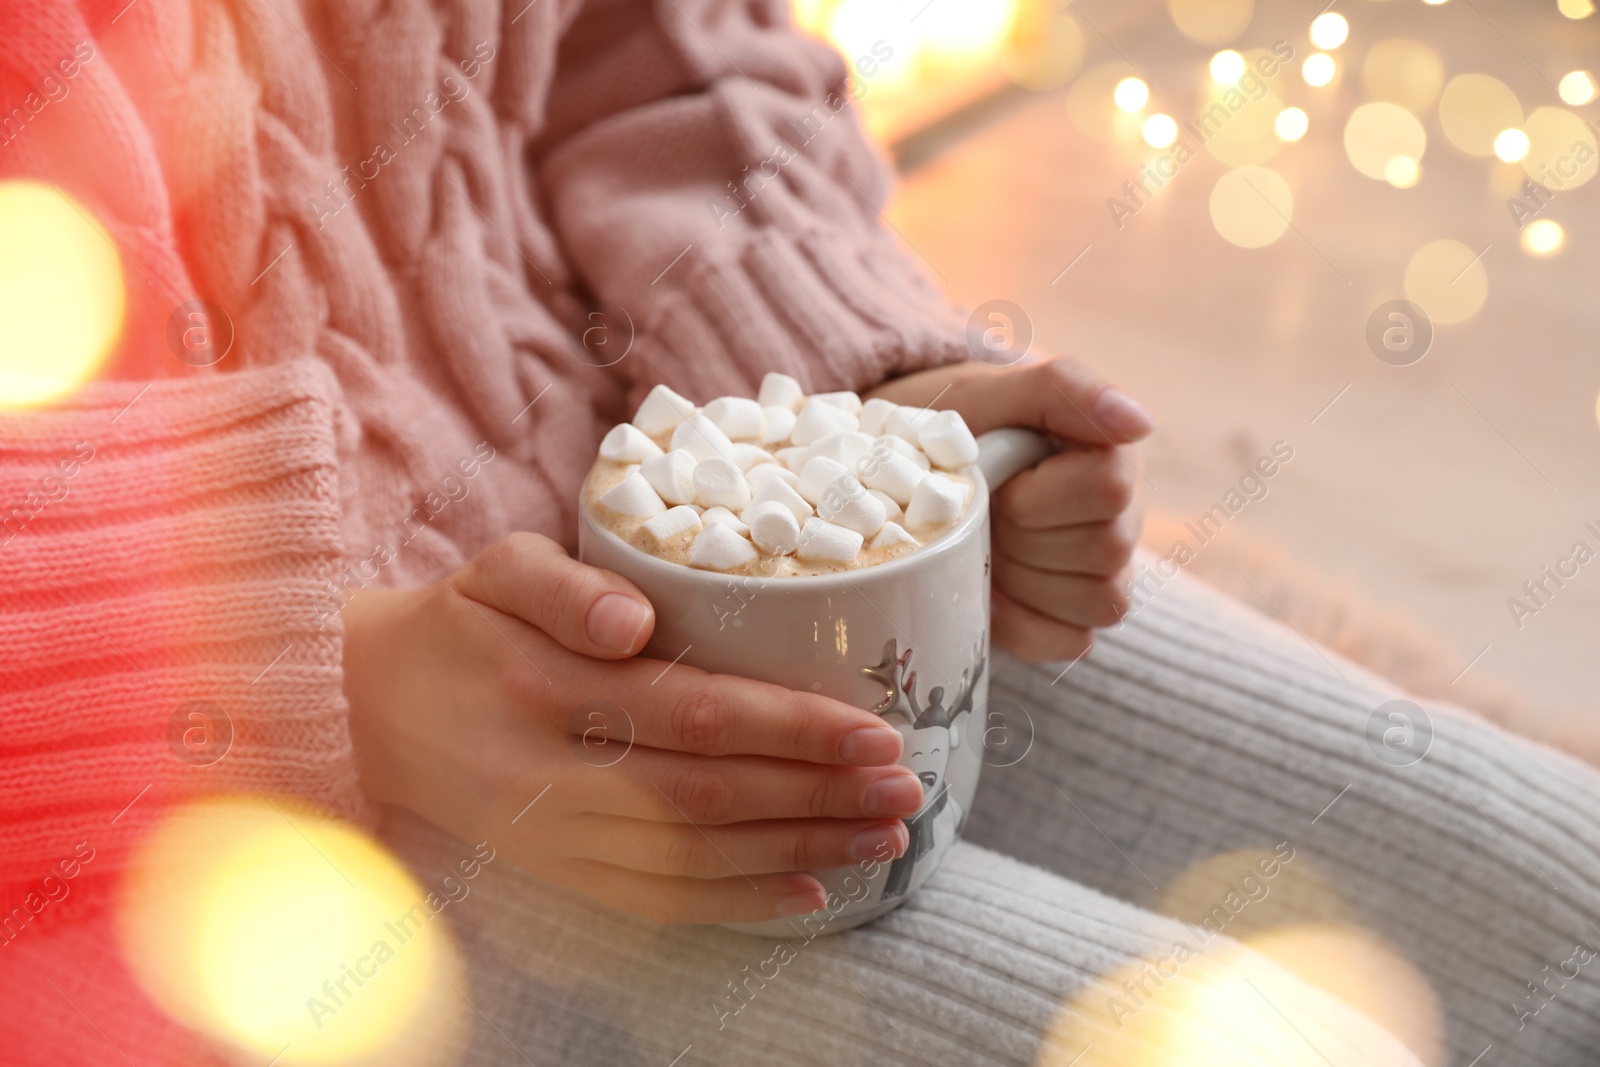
(908, 638)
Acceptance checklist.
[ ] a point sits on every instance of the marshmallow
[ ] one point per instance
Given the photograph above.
(848, 401)
(778, 491)
(701, 438)
(780, 390)
(662, 411)
(773, 527)
(737, 416)
(847, 448)
(936, 502)
(776, 424)
(758, 475)
(627, 443)
(891, 536)
(727, 518)
(905, 448)
(820, 473)
(874, 414)
(852, 507)
(718, 548)
(746, 456)
(945, 439)
(717, 482)
(904, 422)
(670, 524)
(671, 475)
(892, 473)
(817, 421)
(633, 497)
(892, 512)
(821, 540)
(793, 457)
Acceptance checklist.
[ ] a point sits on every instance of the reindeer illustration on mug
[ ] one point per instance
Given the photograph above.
(931, 733)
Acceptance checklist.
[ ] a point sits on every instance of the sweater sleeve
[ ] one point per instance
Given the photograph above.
(163, 549)
(707, 177)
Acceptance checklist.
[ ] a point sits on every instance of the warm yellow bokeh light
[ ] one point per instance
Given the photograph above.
(1405, 72)
(1562, 153)
(1251, 206)
(1449, 280)
(1227, 67)
(1291, 124)
(1131, 94)
(267, 930)
(1577, 88)
(963, 30)
(1211, 22)
(1329, 30)
(1511, 145)
(1091, 103)
(1378, 132)
(1319, 69)
(1246, 139)
(1160, 130)
(1543, 237)
(1402, 172)
(1575, 9)
(1473, 111)
(61, 294)
(1045, 47)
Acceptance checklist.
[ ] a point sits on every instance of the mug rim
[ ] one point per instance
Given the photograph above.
(976, 514)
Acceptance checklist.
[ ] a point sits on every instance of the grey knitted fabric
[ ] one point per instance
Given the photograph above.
(1197, 748)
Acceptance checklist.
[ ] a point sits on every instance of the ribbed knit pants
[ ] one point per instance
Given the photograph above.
(1220, 844)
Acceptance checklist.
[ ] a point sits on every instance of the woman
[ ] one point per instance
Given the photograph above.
(347, 536)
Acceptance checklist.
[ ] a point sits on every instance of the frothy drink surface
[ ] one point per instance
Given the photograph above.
(782, 485)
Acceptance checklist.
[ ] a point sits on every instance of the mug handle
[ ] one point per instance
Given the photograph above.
(1009, 451)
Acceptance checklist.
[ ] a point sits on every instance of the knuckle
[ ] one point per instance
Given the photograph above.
(700, 719)
(819, 799)
(701, 792)
(801, 853)
(1118, 544)
(1113, 482)
(686, 852)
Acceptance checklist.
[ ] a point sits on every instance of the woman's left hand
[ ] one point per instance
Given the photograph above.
(1065, 529)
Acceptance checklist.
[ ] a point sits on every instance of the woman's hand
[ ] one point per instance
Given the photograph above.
(1064, 530)
(503, 704)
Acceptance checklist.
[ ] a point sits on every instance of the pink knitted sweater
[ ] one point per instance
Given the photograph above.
(414, 213)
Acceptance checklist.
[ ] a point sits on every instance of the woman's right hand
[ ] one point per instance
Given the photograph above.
(504, 704)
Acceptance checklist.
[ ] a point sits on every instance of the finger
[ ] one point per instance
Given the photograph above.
(1075, 599)
(1072, 487)
(1034, 638)
(1061, 397)
(666, 899)
(688, 710)
(651, 784)
(764, 847)
(591, 611)
(1101, 549)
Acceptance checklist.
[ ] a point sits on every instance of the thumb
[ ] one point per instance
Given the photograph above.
(1062, 398)
(591, 611)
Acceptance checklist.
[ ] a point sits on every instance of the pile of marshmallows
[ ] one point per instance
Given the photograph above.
(817, 477)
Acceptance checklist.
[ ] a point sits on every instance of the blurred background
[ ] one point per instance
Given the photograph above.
(1236, 269)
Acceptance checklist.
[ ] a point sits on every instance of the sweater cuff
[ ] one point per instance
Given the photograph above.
(168, 553)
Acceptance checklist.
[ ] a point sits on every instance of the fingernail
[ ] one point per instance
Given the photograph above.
(801, 903)
(1120, 412)
(614, 622)
(898, 794)
(871, 746)
(875, 843)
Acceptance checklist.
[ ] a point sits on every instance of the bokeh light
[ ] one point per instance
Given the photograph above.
(1449, 280)
(61, 294)
(1160, 130)
(1131, 94)
(1318, 69)
(1045, 47)
(1577, 88)
(1378, 132)
(1237, 128)
(1576, 9)
(1211, 22)
(1562, 153)
(1543, 237)
(1405, 72)
(1227, 67)
(1402, 172)
(1291, 124)
(962, 30)
(302, 939)
(1511, 145)
(1251, 206)
(1091, 103)
(1474, 109)
(1329, 30)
